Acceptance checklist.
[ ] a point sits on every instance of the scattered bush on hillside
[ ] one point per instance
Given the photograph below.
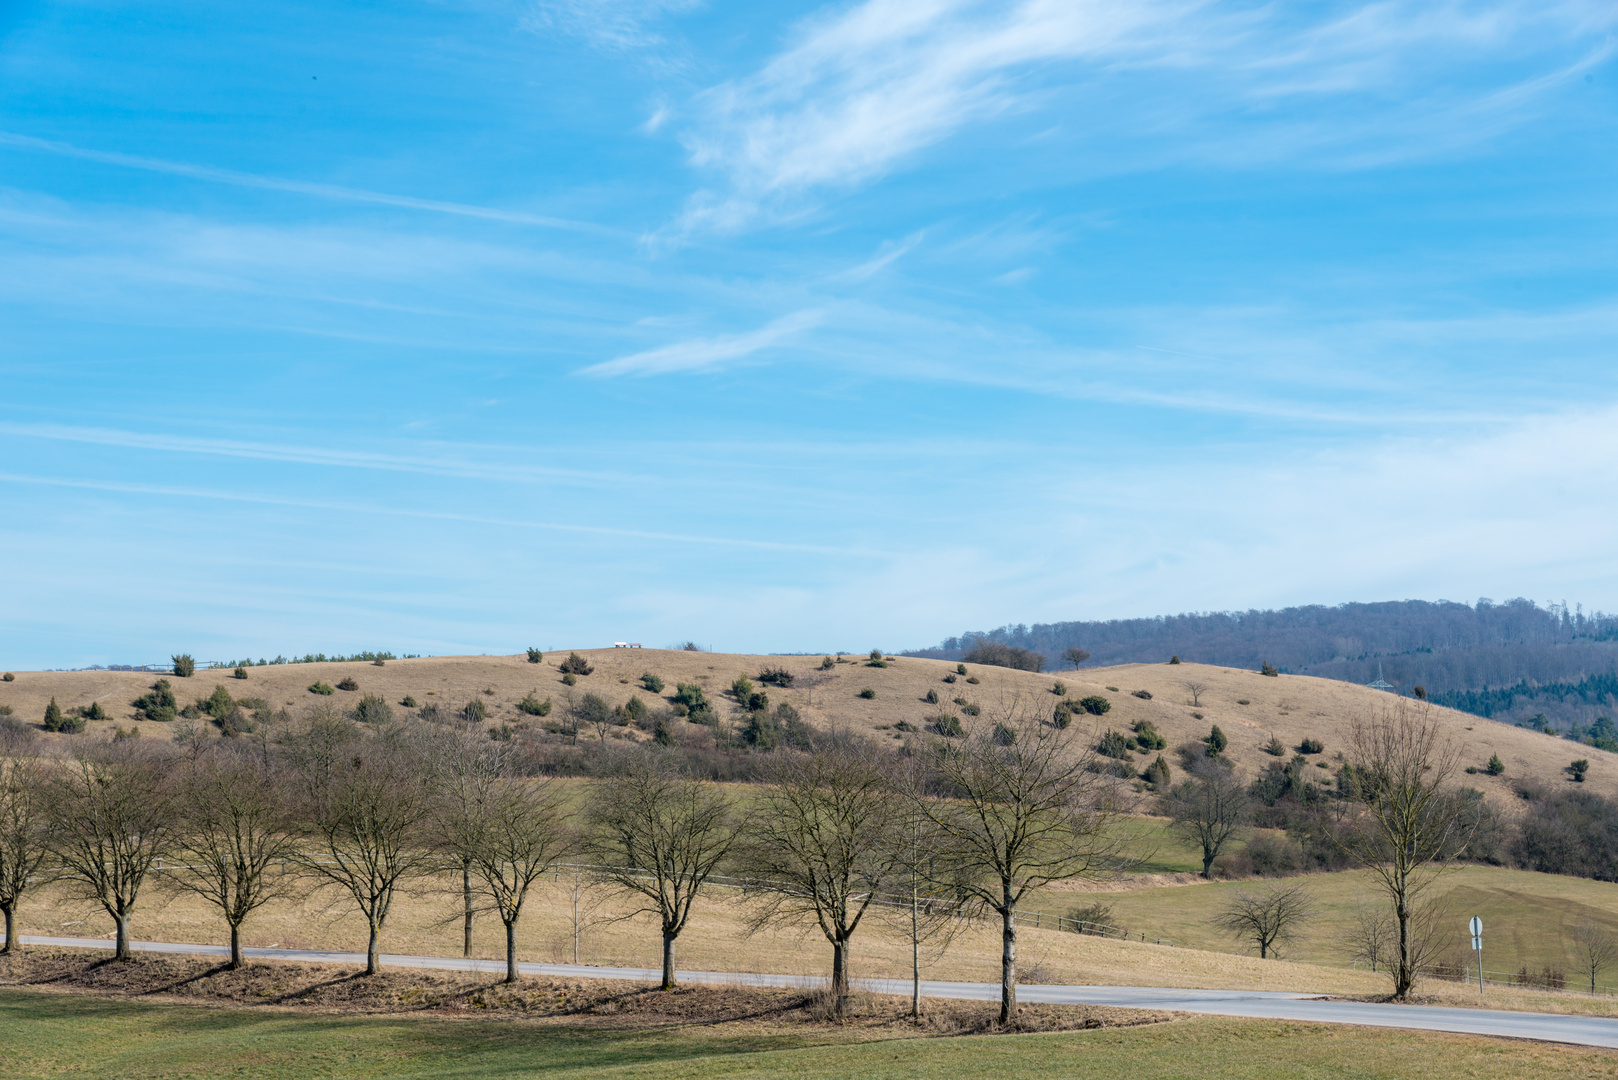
(239, 673)
(1147, 737)
(690, 696)
(652, 682)
(947, 725)
(184, 666)
(932, 696)
(1157, 774)
(741, 688)
(776, 676)
(995, 654)
(1062, 715)
(1419, 693)
(1577, 770)
(662, 733)
(1094, 918)
(431, 713)
(1275, 748)
(1059, 689)
(1216, 742)
(1272, 855)
(531, 705)
(570, 679)
(92, 711)
(373, 709)
(217, 704)
(766, 732)
(868, 693)
(950, 677)
(57, 720)
(1144, 695)
(1172, 659)
(159, 704)
(689, 646)
(379, 662)
(973, 679)
(1115, 744)
(1004, 735)
(475, 712)
(1311, 746)
(408, 702)
(757, 701)
(1243, 701)
(635, 709)
(827, 663)
(960, 669)
(8, 677)
(1495, 766)
(321, 688)
(1268, 670)
(576, 665)
(1095, 705)
(535, 656)
(876, 659)
(971, 710)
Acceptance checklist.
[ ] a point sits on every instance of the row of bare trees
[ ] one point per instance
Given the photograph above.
(967, 826)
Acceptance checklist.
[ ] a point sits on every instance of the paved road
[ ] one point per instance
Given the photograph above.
(1259, 1004)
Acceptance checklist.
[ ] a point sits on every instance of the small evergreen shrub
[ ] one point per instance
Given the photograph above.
(431, 713)
(1147, 737)
(652, 683)
(408, 702)
(576, 665)
(868, 693)
(1144, 695)
(348, 683)
(932, 696)
(1059, 689)
(8, 677)
(1174, 659)
(373, 709)
(184, 666)
(973, 679)
(239, 673)
(321, 688)
(1311, 746)
(1095, 704)
(159, 704)
(703, 714)
(475, 712)
(776, 676)
(1495, 766)
(1216, 742)
(827, 663)
(1157, 774)
(1274, 747)
(960, 669)
(960, 700)
(972, 710)
(1003, 735)
(1062, 715)
(741, 688)
(757, 701)
(662, 734)
(379, 662)
(1243, 701)
(54, 717)
(570, 679)
(947, 725)
(191, 712)
(1577, 769)
(635, 709)
(218, 703)
(1196, 716)
(950, 677)
(1419, 693)
(1268, 669)
(1115, 744)
(533, 706)
(1114, 689)
(93, 711)
(535, 656)
(690, 696)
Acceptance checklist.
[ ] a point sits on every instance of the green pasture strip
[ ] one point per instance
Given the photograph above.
(60, 1035)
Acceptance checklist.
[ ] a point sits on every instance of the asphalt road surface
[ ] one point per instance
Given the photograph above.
(1258, 1004)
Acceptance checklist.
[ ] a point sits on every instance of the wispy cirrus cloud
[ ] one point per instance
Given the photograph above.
(707, 354)
(861, 89)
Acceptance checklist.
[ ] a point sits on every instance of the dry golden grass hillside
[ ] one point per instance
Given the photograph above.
(1247, 706)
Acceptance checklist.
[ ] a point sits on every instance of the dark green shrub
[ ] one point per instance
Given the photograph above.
(535, 656)
(431, 713)
(971, 709)
(533, 706)
(995, 654)
(1115, 744)
(1174, 659)
(868, 693)
(8, 677)
(1147, 737)
(652, 683)
(1003, 735)
(1095, 704)
(1274, 747)
(635, 709)
(239, 673)
(827, 663)
(218, 703)
(93, 711)
(5, 710)
(379, 662)
(348, 683)
(570, 679)
(475, 712)
(662, 734)
(932, 697)
(703, 714)
(1216, 742)
(1419, 693)
(318, 687)
(1144, 695)
(54, 717)
(1496, 766)
(1577, 769)
(690, 696)
(1059, 689)
(973, 679)
(373, 709)
(184, 666)
(159, 704)
(408, 702)
(960, 669)
(1062, 715)
(949, 678)
(757, 701)
(776, 676)
(1311, 746)
(947, 725)
(1268, 669)
(576, 665)
(741, 688)
(960, 701)
(1157, 774)
(192, 712)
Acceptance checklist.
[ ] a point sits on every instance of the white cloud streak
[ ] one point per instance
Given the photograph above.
(707, 354)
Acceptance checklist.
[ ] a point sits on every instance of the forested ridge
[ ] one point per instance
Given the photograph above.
(1512, 661)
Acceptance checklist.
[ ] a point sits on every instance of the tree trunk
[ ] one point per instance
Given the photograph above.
(915, 961)
(511, 951)
(235, 946)
(1403, 977)
(373, 950)
(1008, 964)
(12, 944)
(466, 901)
(1207, 863)
(839, 977)
(121, 947)
(668, 960)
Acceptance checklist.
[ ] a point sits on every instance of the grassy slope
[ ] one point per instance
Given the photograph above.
(1290, 707)
(58, 1035)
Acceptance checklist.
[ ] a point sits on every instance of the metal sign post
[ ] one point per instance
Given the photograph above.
(1477, 944)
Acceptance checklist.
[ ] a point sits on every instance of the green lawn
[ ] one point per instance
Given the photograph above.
(55, 1035)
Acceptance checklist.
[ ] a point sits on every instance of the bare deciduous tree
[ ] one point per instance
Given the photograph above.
(1019, 811)
(22, 837)
(1196, 690)
(365, 813)
(1207, 809)
(463, 764)
(1075, 656)
(233, 828)
(1268, 917)
(1596, 949)
(660, 836)
(1370, 936)
(822, 839)
(522, 831)
(111, 819)
(1411, 827)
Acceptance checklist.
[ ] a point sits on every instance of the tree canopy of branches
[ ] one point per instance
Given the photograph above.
(22, 837)
(1207, 809)
(660, 836)
(1019, 813)
(995, 654)
(822, 839)
(233, 828)
(1596, 949)
(365, 812)
(110, 819)
(1411, 826)
(1267, 917)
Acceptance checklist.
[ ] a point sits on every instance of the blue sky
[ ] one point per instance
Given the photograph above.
(464, 326)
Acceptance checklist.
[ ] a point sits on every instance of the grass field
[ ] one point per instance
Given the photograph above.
(58, 1035)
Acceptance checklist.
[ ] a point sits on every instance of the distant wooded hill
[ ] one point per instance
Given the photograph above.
(1511, 661)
